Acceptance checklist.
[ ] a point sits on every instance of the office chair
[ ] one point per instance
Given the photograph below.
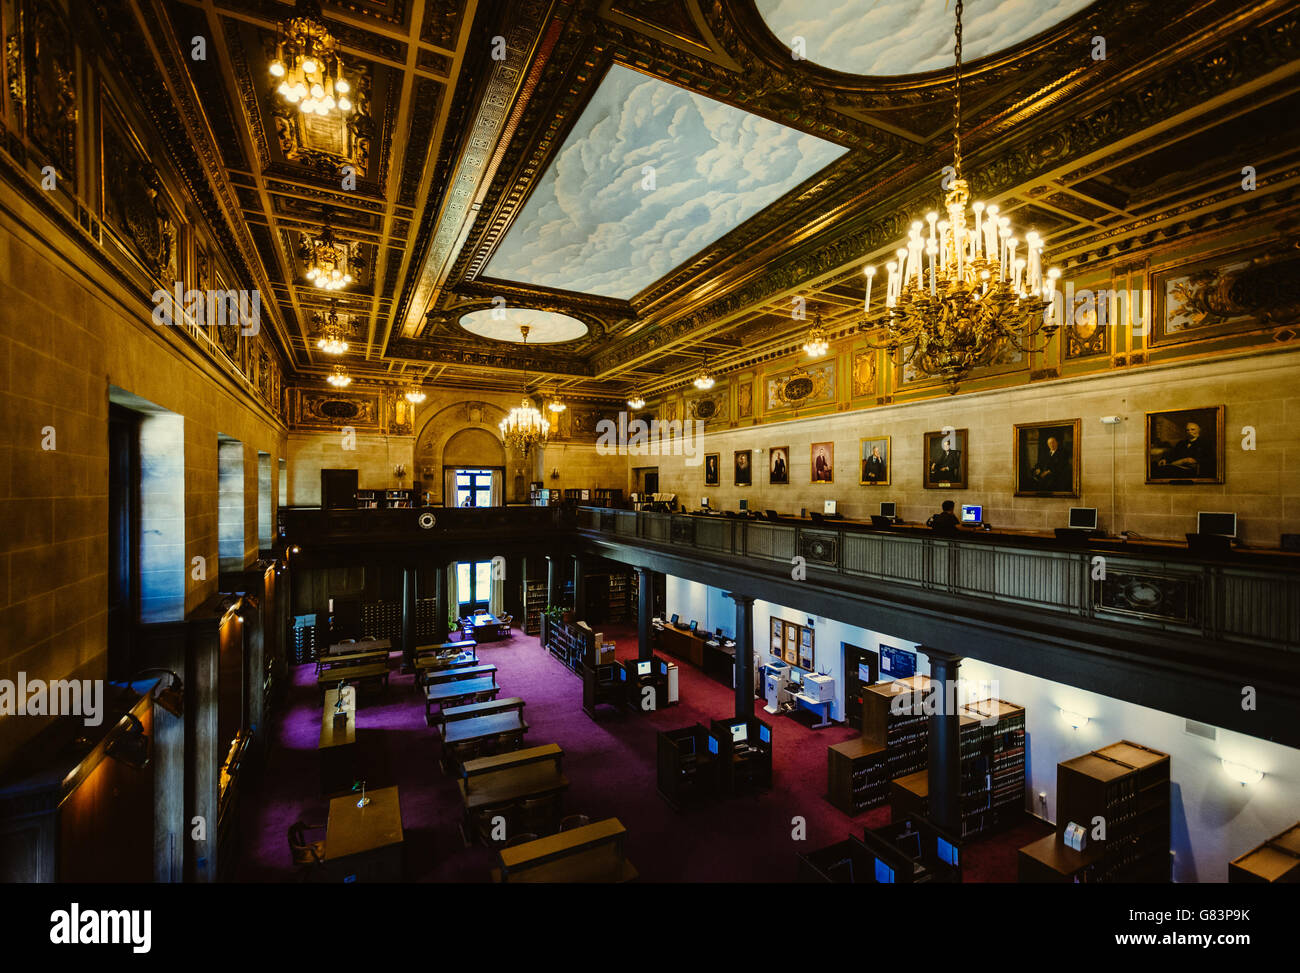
(770, 514)
(816, 517)
(574, 821)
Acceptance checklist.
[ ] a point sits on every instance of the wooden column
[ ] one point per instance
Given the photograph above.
(579, 590)
(945, 742)
(552, 582)
(409, 598)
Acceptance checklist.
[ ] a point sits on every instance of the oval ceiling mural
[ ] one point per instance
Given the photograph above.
(502, 324)
(894, 37)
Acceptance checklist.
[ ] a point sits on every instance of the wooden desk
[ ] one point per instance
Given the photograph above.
(682, 644)
(593, 853)
(486, 628)
(461, 672)
(365, 844)
(349, 698)
(512, 777)
(425, 665)
(440, 648)
(343, 648)
(1049, 860)
(376, 670)
(482, 727)
(450, 693)
(337, 747)
(357, 658)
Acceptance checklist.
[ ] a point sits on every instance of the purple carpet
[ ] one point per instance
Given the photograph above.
(610, 764)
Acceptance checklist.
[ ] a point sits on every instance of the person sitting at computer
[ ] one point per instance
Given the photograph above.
(945, 519)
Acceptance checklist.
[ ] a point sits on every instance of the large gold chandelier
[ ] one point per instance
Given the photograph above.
(960, 295)
(327, 261)
(306, 64)
(525, 427)
(333, 340)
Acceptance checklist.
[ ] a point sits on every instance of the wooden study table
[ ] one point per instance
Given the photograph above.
(365, 844)
(435, 678)
(343, 648)
(486, 628)
(481, 727)
(338, 745)
(445, 648)
(357, 657)
(447, 694)
(511, 777)
(593, 853)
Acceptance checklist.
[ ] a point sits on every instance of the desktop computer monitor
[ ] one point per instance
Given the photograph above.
(828, 507)
(796, 677)
(739, 732)
(1223, 524)
(744, 506)
(884, 874)
(1084, 518)
(971, 513)
(675, 618)
(888, 509)
(946, 851)
(663, 668)
(704, 502)
(694, 625)
(717, 632)
(643, 668)
(713, 744)
(765, 734)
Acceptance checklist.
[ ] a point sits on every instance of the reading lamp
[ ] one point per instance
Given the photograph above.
(172, 697)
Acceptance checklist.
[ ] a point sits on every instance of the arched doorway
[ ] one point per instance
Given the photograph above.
(473, 468)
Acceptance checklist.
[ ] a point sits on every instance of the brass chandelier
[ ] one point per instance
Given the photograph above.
(415, 395)
(327, 261)
(333, 340)
(817, 344)
(524, 428)
(307, 66)
(340, 378)
(959, 295)
(636, 401)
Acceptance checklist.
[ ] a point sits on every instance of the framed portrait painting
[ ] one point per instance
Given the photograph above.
(1185, 445)
(711, 469)
(778, 465)
(1046, 460)
(945, 459)
(822, 463)
(744, 473)
(873, 455)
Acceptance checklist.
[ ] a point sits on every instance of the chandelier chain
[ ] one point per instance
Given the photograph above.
(956, 110)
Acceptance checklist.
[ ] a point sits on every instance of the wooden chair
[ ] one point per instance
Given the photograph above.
(307, 856)
(574, 821)
(503, 743)
(539, 815)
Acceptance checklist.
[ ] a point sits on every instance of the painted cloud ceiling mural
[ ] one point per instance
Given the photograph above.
(887, 37)
(601, 222)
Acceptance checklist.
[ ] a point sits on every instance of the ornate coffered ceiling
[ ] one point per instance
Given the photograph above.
(498, 162)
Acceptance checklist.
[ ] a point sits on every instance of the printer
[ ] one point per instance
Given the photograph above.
(819, 688)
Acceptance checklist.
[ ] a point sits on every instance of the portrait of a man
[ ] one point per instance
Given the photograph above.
(945, 459)
(823, 462)
(711, 469)
(778, 469)
(743, 473)
(874, 454)
(1185, 446)
(1047, 459)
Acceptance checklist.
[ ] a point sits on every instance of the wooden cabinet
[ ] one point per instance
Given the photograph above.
(855, 774)
(1276, 860)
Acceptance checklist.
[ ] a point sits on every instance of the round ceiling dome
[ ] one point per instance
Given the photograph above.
(503, 323)
(896, 37)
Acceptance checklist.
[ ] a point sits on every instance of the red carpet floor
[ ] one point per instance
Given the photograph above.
(610, 764)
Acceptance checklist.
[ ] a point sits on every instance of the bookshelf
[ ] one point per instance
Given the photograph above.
(398, 499)
(534, 605)
(1126, 786)
(855, 774)
(368, 500)
(572, 644)
(905, 736)
(1005, 745)
(909, 796)
(1276, 860)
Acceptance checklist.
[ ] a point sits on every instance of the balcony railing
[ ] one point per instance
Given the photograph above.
(1247, 598)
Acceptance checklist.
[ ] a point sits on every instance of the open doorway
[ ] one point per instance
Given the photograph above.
(476, 487)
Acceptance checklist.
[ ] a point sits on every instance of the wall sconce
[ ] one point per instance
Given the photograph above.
(1075, 720)
(399, 470)
(130, 746)
(171, 698)
(1242, 774)
(555, 473)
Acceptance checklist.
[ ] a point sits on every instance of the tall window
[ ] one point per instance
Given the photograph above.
(123, 534)
(473, 488)
(473, 585)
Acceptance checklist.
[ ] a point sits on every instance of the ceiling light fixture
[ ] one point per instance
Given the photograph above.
(306, 65)
(332, 340)
(340, 378)
(415, 395)
(973, 296)
(636, 401)
(557, 404)
(524, 427)
(704, 380)
(327, 260)
(816, 345)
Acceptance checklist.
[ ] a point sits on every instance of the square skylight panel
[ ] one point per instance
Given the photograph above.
(649, 176)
